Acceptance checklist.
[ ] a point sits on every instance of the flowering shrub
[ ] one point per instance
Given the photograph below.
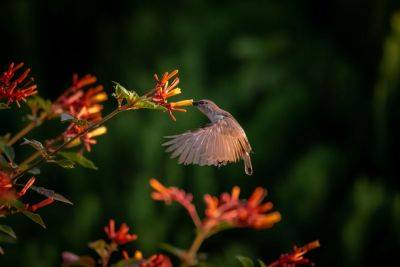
(80, 108)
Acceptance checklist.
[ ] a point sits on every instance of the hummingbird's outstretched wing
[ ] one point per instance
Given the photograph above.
(216, 144)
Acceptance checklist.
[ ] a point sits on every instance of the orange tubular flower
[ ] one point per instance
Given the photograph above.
(162, 193)
(240, 213)
(83, 105)
(16, 90)
(121, 236)
(157, 260)
(7, 191)
(296, 257)
(164, 90)
(228, 208)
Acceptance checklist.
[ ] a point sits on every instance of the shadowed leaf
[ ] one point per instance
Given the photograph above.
(8, 230)
(50, 194)
(245, 261)
(34, 217)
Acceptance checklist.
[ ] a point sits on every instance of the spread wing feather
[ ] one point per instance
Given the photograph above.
(216, 144)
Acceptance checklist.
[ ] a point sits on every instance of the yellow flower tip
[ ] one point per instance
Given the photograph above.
(100, 97)
(74, 143)
(313, 245)
(183, 103)
(235, 192)
(156, 185)
(138, 255)
(173, 92)
(180, 109)
(97, 132)
(94, 109)
(274, 217)
(173, 73)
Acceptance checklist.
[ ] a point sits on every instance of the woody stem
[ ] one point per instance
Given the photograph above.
(27, 129)
(31, 158)
(58, 149)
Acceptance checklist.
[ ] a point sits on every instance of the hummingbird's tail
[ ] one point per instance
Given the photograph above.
(248, 168)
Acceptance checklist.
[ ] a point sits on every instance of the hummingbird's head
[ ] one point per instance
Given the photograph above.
(208, 108)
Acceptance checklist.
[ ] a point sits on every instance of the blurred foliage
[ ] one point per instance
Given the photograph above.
(314, 83)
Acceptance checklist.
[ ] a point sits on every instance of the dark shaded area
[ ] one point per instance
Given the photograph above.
(314, 83)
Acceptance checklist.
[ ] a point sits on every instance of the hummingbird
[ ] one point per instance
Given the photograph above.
(221, 141)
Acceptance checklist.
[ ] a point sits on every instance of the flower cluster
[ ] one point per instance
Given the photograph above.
(105, 250)
(83, 102)
(8, 194)
(252, 213)
(164, 90)
(121, 236)
(16, 89)
(227, 209)
(296, 257)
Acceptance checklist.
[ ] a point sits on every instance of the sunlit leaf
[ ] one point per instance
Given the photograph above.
(245, 261)
(122, 94)
(1, 251)
(8, 230)
(65, 163)
(36, 103)
(101, 247)
(79, 159)
(149, 105)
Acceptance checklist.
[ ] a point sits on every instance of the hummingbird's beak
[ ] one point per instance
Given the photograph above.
(195, 103)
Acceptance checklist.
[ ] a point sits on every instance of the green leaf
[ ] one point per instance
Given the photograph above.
(36, 103)
(65, 163)
(122, 94)
(34, 217)
(102, 248)
(5, 238)
(65, 117)
(50, 194)
(8, 230)
(34, 171)
(262, 264)
(34, 143)
(7, 150)
(245, 261)
(149, 105)
(79, 159)
(4, 106)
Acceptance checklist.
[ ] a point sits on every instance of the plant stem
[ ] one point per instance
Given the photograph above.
(54, 152)
(30, 158)
(190, 257)
(27, 129)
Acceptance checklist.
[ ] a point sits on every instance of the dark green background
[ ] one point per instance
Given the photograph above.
(314, 83)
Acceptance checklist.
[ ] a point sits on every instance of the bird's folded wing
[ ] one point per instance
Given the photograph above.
(216, 144)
